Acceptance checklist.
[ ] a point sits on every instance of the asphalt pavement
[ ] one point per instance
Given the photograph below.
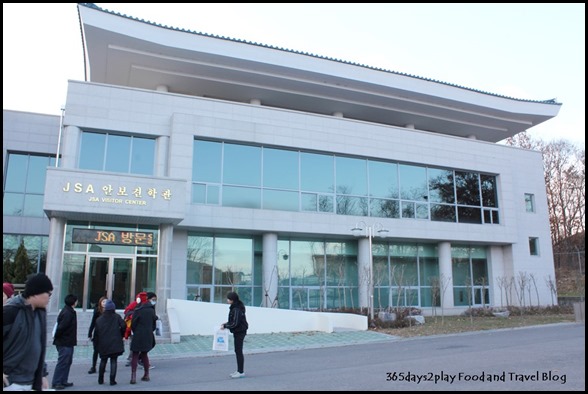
(537, 358)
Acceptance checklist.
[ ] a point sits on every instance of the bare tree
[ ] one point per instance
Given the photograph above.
(534, 282)
(550, 282)
(444, 282)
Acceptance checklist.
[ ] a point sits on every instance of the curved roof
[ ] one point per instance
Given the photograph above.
(126, 51)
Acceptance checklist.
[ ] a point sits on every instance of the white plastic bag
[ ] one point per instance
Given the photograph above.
(220, 341)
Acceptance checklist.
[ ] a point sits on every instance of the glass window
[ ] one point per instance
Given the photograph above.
(117, 154)
(530, 202)
(356, 206)
(351, 176)
(467, 187)
(443, 213)
(384, 208)
(281, 200)
(469, 215)
(143, 156)
(316, 172)
(92, 151)
(207, 161)
(413, 183)
(488, 184)
(25, 184)
(233, 261)
(242, 165)
(383, 178)
(199, 265)
(441, 186)
(241, 197)
(534, 246)
(280, 169)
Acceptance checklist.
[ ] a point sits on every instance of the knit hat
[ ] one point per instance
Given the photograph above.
(37, 284)
(8, 289)
(109, 306)
(143, 296)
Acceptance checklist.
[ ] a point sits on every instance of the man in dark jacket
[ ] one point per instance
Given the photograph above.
(66, 337)
(24, 334)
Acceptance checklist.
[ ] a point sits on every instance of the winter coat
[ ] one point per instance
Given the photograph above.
(109, 333)
(143, 325)
(237, 319)
(17, 331)
(66, 333)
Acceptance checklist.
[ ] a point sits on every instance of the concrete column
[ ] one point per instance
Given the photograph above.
(54, 268)
(163, 277)
(270, 270)
(161, 156)
(445, 275)
(364, 271)
(70, 142)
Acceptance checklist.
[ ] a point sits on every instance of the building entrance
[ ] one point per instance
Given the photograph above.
(110, 276)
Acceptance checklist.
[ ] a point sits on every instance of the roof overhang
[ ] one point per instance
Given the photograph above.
(124, 51)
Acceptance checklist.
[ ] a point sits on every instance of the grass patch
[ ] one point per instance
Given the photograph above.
(457, 324)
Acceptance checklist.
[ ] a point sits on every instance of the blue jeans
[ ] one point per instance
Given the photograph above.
(64, 361)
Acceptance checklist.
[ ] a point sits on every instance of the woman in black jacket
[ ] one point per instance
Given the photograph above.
(238, 326)
(143, 325)
(97, 312)
(108, 339)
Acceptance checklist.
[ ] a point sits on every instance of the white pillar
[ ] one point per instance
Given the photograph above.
(364, 271)
(445, 275)
(70, 141)
(163, 276)
(270, 270)
(54, 268)
(161, 156)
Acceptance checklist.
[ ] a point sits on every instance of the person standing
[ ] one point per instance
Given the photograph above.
(7, 292)
(24, 336)
(238, 326)
(143, 325)
(97, 313)
(128, 313)
(108, 339)
(66, 337)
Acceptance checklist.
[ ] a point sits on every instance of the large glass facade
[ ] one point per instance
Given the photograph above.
(236, 175)
(24, 187)
(312, 274)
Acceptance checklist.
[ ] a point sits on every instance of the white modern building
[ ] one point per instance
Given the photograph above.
(190, 164)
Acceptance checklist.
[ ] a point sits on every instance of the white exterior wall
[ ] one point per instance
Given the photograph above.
(181, 118)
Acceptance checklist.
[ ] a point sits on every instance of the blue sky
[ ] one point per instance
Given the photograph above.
(528, 51)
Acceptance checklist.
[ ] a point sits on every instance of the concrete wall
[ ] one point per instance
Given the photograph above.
(204, 318)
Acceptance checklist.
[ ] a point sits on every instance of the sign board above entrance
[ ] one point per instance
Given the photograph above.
(111, 237)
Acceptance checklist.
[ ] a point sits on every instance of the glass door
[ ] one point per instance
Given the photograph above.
(111, 277)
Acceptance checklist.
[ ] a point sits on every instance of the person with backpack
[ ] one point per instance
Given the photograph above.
(128, 313)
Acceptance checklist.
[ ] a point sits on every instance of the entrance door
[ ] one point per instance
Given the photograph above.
(110, 276)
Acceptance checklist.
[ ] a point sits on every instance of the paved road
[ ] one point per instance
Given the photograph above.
(539, 358)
